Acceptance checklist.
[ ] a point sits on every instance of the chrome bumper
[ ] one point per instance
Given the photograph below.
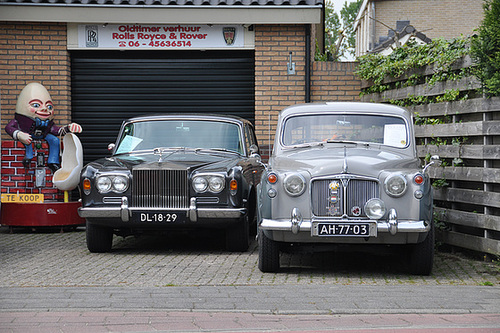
(392, 225)
(124, 212)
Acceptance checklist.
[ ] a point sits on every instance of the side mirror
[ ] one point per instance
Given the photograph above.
(111, 146)
(254, 150)
(434, 160)
(255, 158)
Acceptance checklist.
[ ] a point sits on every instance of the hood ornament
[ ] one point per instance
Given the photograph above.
(344, 167)
(158, 151)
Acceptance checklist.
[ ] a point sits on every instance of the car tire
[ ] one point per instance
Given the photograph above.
(421, 256)
(99, 239)
(238, 238)
(269, 254)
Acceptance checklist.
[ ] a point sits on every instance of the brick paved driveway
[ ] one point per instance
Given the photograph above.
(62, 259)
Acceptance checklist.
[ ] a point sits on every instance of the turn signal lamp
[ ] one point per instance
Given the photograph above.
(272, 178)
(86, 185)
(418, 179)
(233, 185)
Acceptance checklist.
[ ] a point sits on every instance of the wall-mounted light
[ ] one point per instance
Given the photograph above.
(291, 65)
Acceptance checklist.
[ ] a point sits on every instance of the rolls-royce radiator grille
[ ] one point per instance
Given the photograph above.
(339, 197)
(160, 189)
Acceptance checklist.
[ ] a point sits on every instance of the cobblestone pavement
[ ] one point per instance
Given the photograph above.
(49, 282)
(61, 259)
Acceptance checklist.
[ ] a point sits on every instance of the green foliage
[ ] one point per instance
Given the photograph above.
(340, 37)
(486, 48)
(348, 14)
(332, 32)
(440, 53)
(440, 183)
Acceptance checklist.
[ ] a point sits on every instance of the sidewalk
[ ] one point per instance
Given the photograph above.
(150, 321)
(354, 308)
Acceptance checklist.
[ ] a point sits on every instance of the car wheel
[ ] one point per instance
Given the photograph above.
(422, 255)
(99, 239)
(269, 254)
(238, 238)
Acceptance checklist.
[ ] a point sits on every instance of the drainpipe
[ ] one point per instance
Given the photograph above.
(308, 65)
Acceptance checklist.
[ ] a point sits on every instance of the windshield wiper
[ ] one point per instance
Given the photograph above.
(223, 150)
(306, 145)
(160, 150)
(342, 141)
(366, 144)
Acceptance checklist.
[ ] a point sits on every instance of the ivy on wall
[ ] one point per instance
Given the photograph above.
(441, 54)
(407, 60)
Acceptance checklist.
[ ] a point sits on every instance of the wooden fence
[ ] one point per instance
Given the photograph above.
(466, 135)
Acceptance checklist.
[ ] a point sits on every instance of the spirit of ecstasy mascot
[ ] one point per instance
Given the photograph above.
(34, 121)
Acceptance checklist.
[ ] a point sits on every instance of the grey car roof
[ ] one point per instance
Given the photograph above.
(347, 107)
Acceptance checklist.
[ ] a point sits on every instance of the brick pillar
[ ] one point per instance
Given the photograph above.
(274, 88)
(31, 52)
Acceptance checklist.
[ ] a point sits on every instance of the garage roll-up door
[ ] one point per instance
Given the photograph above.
(111, 86)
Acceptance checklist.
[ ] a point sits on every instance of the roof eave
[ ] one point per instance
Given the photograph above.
(113, 14)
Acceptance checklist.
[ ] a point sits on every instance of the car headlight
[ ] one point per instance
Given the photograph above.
(216, 184)
(212, 183)
(104, 184)
(200, 184)
(112, 183)
(294, 184)
(375, 209)
(120, 184)
(395, 185)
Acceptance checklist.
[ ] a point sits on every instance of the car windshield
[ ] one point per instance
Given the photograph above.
(145, 135)
(325, 128)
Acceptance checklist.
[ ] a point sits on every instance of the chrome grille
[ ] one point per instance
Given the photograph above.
(349, 198)
(160, 189)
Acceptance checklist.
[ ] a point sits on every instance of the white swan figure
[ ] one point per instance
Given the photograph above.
(68, 176)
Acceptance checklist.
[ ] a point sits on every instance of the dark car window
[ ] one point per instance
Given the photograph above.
(176, 133)
(386, 130)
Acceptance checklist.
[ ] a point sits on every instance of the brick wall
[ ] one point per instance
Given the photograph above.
(334, 82)
(435, 18)
(275, 89)
(31, 52)
(17, 179)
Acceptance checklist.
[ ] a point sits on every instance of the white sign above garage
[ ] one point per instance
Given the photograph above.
(161, 37)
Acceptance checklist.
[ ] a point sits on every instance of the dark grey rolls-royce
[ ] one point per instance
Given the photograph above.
(174, 172)
(345, 174)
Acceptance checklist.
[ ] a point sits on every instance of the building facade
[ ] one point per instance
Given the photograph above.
(434, 18)
(104, 62)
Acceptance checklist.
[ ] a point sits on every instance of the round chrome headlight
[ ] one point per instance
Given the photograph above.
(395, 185)
(216, 184)
(103, 184)
(294, 184)
(120, 184)
(200, 184)
(375, 208)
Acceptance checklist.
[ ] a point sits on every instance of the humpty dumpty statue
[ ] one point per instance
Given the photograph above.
(34, 121)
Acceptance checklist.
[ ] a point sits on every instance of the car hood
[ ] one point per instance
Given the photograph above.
(360, 161)
(172, 160)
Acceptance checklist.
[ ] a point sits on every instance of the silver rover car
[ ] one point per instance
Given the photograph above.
(345, 174)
